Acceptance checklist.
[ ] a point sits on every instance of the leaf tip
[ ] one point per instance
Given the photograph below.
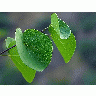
(18, 29)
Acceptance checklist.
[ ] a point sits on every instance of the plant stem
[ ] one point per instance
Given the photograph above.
(44, 29)
(15, 45)
(7, 49)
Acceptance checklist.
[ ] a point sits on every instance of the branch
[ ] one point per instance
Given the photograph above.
(15, 45)
(7, 49)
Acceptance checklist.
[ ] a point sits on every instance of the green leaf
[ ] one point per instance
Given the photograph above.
(27, 73)
(65, 46)
(8, 41)
(35, 48)
(55, 23)
(65, 31)
(61, 28)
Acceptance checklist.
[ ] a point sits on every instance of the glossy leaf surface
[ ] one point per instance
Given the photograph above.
(65, 31)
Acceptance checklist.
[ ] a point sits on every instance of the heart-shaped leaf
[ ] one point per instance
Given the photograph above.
(35, 48)
(27, 73)
(65, 46)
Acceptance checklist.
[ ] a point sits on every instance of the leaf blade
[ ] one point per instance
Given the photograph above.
(8, 41)
(55, 23)
(27, 73)
(65, 46)
(35, 59)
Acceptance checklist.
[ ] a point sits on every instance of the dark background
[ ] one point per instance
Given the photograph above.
(81, 69)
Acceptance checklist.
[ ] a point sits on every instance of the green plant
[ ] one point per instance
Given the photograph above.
(31, 51)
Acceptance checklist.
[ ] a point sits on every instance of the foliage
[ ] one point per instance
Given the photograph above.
(36, 47)
(28, 73)
(63, 38)
(33, 51)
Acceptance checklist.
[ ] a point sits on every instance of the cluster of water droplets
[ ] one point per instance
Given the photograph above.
(38, 45)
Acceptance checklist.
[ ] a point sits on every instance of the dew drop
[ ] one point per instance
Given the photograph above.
(64, 30)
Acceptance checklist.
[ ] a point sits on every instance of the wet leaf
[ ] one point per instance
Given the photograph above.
(65, 31)
(27, 73)
(65, 46)
(61, 28)
(35, 48)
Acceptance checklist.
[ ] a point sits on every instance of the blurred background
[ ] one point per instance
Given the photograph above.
(81, 69)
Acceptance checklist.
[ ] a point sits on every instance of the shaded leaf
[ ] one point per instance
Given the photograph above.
(35, 48)
(28, 73)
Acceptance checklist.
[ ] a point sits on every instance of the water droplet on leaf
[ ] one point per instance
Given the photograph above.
(64, 30)
(37, 49)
